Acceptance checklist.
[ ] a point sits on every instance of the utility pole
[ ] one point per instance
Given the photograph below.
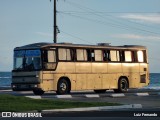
(55, 23)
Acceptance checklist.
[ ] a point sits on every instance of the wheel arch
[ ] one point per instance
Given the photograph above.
(125, 78)
(67, 79)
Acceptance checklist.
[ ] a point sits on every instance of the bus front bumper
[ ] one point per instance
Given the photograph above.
(20, 87)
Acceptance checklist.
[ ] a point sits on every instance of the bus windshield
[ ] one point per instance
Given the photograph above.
(27, 60)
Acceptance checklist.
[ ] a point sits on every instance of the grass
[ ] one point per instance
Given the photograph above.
(10, 103)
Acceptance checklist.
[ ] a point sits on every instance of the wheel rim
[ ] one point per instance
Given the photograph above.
(123, 85)
(63, 86)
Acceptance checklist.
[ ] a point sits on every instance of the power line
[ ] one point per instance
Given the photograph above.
(117, 23)
(111, 24)
(105, 14)
(76, 37)
(86, 12)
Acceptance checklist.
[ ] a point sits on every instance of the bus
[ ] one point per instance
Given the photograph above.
(65, 67)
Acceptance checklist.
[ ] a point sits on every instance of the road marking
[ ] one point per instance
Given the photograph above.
(92, 96)
(6, 90)
(141, 94)
(63, 96)
(117, 95)
(34, 97)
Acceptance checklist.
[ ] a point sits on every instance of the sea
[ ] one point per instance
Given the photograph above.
(5, 80)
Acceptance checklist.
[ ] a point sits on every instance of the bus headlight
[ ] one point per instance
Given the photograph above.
(37, 76)
(13, 86)
(35, 86)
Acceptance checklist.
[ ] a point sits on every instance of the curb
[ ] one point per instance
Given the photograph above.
(100, 108)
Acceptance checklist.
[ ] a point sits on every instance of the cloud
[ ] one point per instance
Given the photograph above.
(149, 18)
(135, 36)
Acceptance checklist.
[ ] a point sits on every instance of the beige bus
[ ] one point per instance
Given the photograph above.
(65, 67)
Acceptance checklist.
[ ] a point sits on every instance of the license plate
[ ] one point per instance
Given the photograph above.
(24, 86)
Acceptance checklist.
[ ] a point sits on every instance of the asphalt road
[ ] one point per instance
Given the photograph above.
(150, 103)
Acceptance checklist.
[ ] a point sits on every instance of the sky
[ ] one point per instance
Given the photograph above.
(119, 22)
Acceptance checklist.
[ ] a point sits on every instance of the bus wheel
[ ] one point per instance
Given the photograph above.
(62, 87)
(99, 91)
(122, 86)
(38, 92)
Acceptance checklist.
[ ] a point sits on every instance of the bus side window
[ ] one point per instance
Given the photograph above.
(72, 54)
(134, 56)
(64, 54)
(81, 55)
(128, 56)
(98, 55)
(106, 55)
(92, 55)
(140, 56)
(89, 55)
(145, 56)
(49, 59)
(122, 54)
(51, 56)
(115, 55)
(68, 53)
(45, 56)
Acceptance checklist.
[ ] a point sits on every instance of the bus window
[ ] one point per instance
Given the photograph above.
(18, 63)
(81, 55)
(19, 59)
(106, 55)
(140, 56)
(51, 56)
(92, 55)
(49, 59)
(128, 56)
(89, 55)
(134, 56)
(98, 55)
(114, 55)
(64, 54)
(145, 56)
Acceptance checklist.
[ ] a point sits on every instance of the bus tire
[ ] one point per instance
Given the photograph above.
(99, 91)
(122, 86)
(62, 87)
(38, 91)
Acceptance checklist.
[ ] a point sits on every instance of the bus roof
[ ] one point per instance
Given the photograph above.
(101, 45)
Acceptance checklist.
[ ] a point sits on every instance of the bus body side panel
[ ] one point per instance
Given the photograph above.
(48, 80)
(98, 71)
(90, 81)
(114, 71)
(131, 71)
(64, 69)
(82, 72)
